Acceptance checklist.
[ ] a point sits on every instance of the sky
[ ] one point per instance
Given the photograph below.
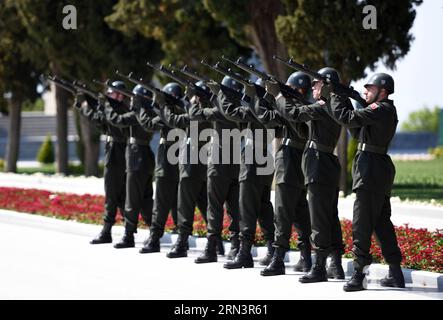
(419, 75)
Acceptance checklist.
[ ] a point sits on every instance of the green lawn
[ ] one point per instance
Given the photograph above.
(74, 169)
(419, 180)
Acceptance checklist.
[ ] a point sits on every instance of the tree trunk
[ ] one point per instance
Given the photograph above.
(264, 37)
(61, 98)
(342, 151)
(13, 144)
(265, 41)
(91, 143)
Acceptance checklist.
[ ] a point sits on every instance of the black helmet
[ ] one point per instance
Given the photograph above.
(382, 80)
(174, 89)
(118, 84)
(202, 85)
(299, 80)
(329, 73)
(231, 83)
(260, 82)
(140, 90)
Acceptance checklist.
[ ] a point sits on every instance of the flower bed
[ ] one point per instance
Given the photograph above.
(421, 249)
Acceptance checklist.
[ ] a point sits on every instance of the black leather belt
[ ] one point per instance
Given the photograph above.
(115, 139)
(320, 147)
(140, 142)
(294, 144)
(371, 148)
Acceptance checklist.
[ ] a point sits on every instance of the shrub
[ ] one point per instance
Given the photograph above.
(437, 152)
(2, 164)
(45, 154)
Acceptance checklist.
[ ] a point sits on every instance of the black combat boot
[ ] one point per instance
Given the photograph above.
(243, 259)
(318, 271)
(104, 236)
(152, 244)
(304, 264)
(277, 265)
(235, 245)
(180, 249)
(210, 253)
(266, 260)
(395, 278)
(335, 269)
(127, 241)
(358, 282)
(220, 247)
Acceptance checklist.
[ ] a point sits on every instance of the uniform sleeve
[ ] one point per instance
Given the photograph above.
(148, 121)
(343, 111)
(120, 120)
(297, 112)
(173, 120)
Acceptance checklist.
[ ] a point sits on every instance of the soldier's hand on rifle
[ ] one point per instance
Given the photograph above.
(214, 86)
(159, 99)
(190, 92)
(272, 87)
(79, 99)
(195, 100)
(326, 90)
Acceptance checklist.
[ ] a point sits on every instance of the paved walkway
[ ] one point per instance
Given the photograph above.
(44, 258)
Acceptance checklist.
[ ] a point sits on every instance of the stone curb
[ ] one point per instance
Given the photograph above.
(417, 278)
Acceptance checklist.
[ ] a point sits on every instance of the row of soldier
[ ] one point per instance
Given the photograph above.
(306, 171)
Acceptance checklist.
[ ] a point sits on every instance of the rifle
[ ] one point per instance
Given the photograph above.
(286, 90)
(338, 87)
(170, 99)
(200, 92)
(193, 74)
(246, 101)
(81, 87)
(62, 84)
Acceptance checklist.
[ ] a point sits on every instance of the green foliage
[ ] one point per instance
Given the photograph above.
(185, 29)
(423, 120)
(2, 164)
(91, 51)
(45, 154)
(37, 105)
(17, 76)
(319, 33)
(437, 152)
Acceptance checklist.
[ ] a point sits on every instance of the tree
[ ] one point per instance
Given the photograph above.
(93, 50)
(18, 80)
(185, 29)
(319, 33)
(423, 120)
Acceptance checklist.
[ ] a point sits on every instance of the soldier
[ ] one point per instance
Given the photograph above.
(192, 182)
(114, 168)
(291, 206)
(166, 175)
(373, 175)
(321, 170)
(255, 186)
(139, 170)
(222, 185)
